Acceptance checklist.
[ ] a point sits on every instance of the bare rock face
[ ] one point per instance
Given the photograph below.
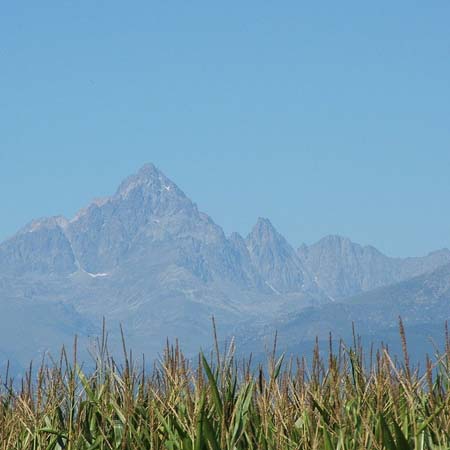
(342, 268)
(276, 261)
(146, 205)
(414, 266)
(147, 215)
(41, 247)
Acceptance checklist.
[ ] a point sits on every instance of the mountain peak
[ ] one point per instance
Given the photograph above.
(264, 222)
(263, 228)
(276, 260)
(147, 176)
(45, 222)
(264, 233)
(146, 204)
(334, 239)
(148, 170)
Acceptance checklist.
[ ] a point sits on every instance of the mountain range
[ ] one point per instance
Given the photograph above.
(148, 259)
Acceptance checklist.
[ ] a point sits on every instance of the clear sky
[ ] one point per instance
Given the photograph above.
(327, 117)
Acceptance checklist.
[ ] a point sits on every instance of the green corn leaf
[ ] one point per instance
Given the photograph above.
(386, 436)
(402, 442)
(208, 431)
(326, 439)
(199, 440)
(278, 366)
(213, 385)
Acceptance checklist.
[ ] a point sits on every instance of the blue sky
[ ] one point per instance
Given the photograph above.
(326, 117)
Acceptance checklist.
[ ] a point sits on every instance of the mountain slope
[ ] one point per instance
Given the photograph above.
(423, 303)
(42, 247)
(342, 268)
(276, 260)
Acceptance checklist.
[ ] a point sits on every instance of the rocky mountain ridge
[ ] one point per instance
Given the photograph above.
(147, 258)
(342, 268)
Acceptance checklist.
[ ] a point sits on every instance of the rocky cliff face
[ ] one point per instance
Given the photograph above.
(276, 261)
(342, 268)
(42, 247)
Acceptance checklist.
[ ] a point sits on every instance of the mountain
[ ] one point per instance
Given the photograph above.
(342, 268)
(423, 303)
(148, 259)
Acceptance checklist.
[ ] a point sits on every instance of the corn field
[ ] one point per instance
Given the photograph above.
(343, 399)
